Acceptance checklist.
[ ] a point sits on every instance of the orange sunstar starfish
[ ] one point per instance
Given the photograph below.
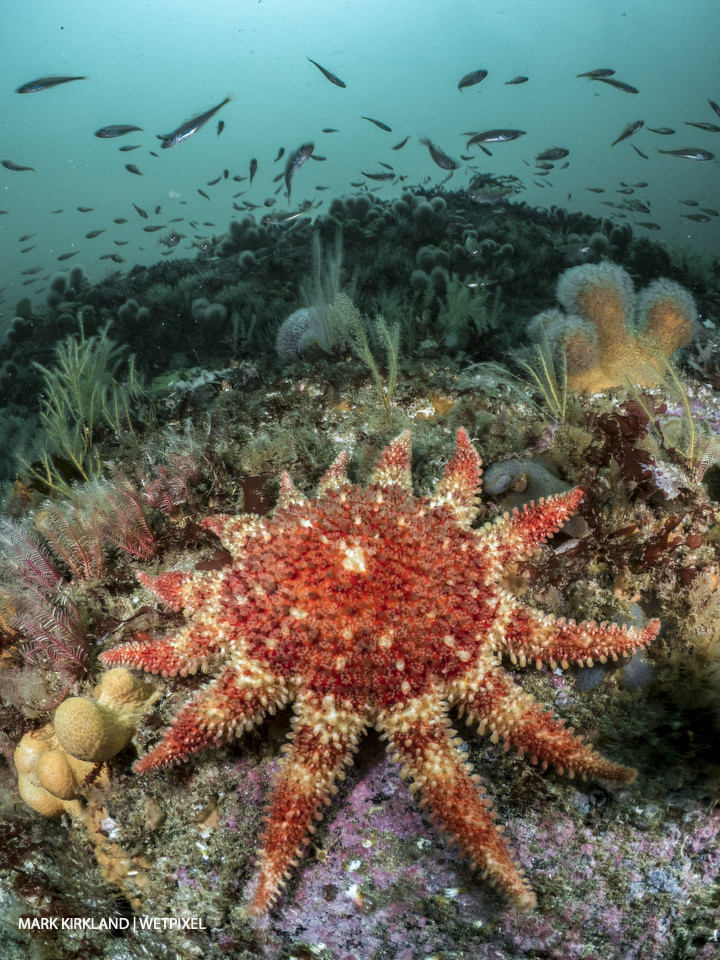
(368, 606)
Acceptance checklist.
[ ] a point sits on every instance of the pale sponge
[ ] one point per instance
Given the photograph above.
(610, 337)
(96, 730)
(27, 755)
(89, 730)
(56, 764)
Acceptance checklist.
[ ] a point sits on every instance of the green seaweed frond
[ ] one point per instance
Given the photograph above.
(551, 382)
(689, 423)
(82, 394)
(358, 333)
(468, 309)
(693, 452)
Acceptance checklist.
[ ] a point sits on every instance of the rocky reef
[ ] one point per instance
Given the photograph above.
(429, 301)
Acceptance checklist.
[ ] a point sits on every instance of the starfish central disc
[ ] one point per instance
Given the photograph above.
(351, 593)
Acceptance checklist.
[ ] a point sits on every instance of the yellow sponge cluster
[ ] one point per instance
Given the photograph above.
(55, 764)
(610, 337)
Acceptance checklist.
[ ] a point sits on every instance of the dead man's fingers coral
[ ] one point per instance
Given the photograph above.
(597, 341)
(667, 313)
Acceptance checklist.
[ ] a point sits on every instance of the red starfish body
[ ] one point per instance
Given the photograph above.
(369, 606)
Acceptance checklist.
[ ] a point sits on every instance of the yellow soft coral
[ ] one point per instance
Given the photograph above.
(608, 336)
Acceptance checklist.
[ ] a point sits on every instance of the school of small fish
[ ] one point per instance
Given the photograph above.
(544, 164)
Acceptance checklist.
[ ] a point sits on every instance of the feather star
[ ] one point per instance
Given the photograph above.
(369, 606)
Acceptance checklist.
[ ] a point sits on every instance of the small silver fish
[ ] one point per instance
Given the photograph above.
(440, 158)
(618, 84)
(495, 136)
(295, 162)
(703, 125)
(116, 130)
(490, 195)
(378, 123)
(629, 130)
(16, 167)
(689, 153)
(190, 127)
(330, 76)
(553, 153)
(470, 79)
(45, 83)
(171, 240)
(597, 74)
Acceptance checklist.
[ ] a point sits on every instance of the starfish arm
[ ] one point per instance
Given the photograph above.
(459, 486)
(324, 738)
(530, 635)
(516, 719)
(335, 477)
(288, 493)
(394, 465)
(425, 745)
(233, 532)
(516, 535)
(172, 588)
(232, 703)
(183, 653)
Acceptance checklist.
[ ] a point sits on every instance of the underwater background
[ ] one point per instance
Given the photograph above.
(325, 266)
